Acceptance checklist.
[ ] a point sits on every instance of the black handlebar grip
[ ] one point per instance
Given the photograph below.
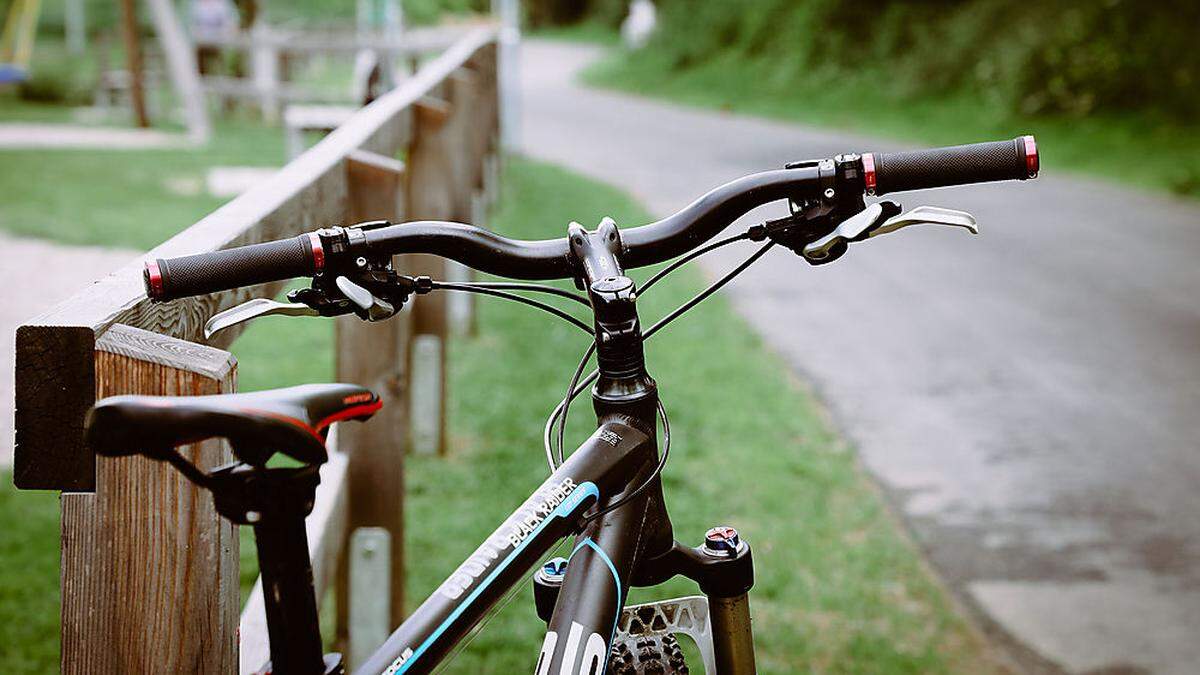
(885, 172)
(234, 267)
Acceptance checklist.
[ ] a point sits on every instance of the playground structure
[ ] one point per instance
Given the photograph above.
(382, 49)
(16, 40)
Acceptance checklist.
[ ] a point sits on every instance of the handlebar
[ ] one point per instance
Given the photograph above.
(312, 253)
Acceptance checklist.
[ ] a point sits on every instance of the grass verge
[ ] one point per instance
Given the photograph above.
(838, 588)
(130, 198)
(1131, 149)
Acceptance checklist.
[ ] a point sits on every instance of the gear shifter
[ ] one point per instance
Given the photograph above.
(375, 309)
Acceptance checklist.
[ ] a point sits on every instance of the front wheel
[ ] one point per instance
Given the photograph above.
(652, 655)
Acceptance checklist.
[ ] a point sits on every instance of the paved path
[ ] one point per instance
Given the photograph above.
(1030, 398)
(65, 136)
(34, 276)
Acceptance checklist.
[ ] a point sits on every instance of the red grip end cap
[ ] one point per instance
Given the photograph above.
(154, 282)
(1029, 147)
(318, 253)
(868, 163)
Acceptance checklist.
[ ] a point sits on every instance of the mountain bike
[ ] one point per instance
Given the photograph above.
(607, 494)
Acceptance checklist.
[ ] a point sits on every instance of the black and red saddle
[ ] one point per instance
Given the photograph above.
(293, 421)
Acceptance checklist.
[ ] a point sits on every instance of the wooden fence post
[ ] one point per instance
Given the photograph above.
(376, 355)
(149, 570)
(431, 196)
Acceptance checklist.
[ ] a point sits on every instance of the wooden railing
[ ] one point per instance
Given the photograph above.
(149, 571)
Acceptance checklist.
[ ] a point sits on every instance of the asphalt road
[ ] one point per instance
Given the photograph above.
(1029, 398)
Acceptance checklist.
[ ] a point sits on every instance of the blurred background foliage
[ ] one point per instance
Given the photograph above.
(1065, 57)
(1112, 87)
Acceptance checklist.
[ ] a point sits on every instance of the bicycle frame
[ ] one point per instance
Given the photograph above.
(604, 465)
(630, 543)
(629, 540)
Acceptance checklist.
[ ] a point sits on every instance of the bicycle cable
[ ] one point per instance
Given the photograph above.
(690, 257)
(703, 295)
(657, 472)
(537, 288)
(486, 290)
(567, 403)
(562, 410)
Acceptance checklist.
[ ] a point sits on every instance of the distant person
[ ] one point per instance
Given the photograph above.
(637, 28)
(212, 21)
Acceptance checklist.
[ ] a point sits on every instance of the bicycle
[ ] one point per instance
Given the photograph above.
(607, 493)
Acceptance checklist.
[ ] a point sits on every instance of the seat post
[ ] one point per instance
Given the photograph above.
(275, 501)
(288, 595)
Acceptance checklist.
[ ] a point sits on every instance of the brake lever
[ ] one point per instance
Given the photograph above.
(870, 223)
(252, 310)
(928, 215)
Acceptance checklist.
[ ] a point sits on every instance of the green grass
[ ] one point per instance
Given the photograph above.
(1140, 150)
(838, 588)
(132, 198)
(29, 593)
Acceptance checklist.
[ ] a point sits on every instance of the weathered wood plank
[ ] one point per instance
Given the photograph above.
(149, 569)
(54, 383)
(54, 380)
(410, 43)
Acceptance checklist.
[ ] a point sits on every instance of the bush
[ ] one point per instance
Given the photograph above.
(56, 77)
(1070, 57)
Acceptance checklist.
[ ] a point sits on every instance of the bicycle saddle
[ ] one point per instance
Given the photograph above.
(293, 421)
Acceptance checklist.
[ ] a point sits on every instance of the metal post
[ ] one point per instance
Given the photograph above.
(181, 62)
(76, 26)
(426, 394)
(370, 583)
(509, 13)
(264, 64)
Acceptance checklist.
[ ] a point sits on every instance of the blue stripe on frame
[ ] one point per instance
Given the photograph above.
(561, 511)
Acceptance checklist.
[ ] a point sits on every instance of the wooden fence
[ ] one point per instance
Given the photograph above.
(149, 571)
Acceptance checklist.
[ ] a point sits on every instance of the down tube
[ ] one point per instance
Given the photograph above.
(599, 467)
(584, 623)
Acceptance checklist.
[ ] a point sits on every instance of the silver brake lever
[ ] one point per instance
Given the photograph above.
(252, 310)
(862, 226)
(928, 215)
